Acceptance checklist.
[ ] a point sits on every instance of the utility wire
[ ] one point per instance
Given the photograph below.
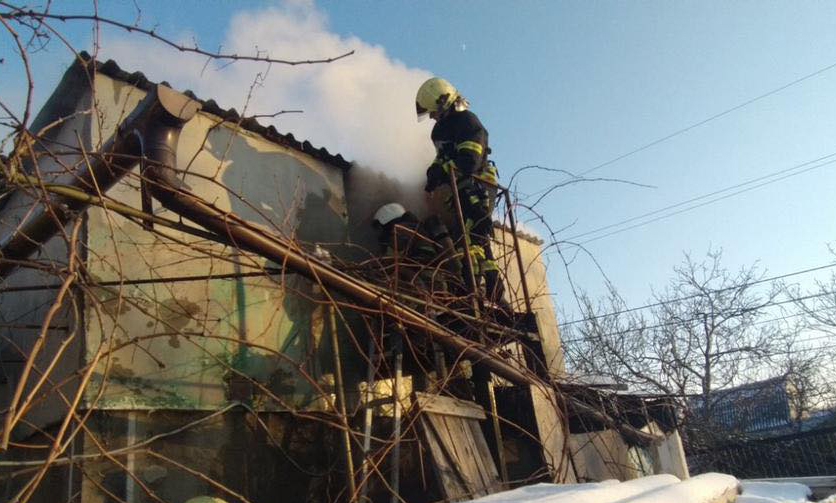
(706, 203)
(706, 196)
(794, 315)
(709, 119)
(696, 318)
(688, 297)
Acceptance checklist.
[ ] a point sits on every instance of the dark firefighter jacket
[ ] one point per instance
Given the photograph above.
(418, 241)
(461, 141)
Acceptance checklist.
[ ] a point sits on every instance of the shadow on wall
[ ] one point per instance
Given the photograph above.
(295, 200)
(278, 190)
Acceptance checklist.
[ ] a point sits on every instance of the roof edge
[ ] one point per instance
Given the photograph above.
(520, 234)
(111, 69)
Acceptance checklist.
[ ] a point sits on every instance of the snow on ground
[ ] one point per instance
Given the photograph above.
(705, 488)
(651, 489)
(773, 492)
(608, 491)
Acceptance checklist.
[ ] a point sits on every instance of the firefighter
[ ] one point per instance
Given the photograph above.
(425, 246)
(427, 259)
(461, 143)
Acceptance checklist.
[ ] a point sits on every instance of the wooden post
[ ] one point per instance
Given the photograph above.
(367, 421)
(513, 221)
(471, 272)
(340, 392)
(484, 394)
(395, 474)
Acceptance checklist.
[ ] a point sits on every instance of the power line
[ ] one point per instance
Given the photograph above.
(707, 202)
(709, 119)
(705, 196)
(789, 352)
(795, 315)
(774, 353)
(689, 320)
(688, 297)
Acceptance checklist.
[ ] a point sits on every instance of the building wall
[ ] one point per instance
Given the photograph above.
(188, 342)
(603, 455)
(286, 191)
(534, 269)
(27, 295)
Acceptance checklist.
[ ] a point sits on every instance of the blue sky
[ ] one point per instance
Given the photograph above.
(569, 85)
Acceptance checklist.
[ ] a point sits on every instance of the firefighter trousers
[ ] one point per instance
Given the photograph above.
(478, 224)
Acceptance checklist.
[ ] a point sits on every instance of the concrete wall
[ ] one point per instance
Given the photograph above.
(603, 455)
(534, 269)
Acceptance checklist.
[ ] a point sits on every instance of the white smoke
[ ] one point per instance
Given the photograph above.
(361, 106)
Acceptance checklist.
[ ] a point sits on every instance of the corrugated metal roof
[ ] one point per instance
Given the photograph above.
(111, 69)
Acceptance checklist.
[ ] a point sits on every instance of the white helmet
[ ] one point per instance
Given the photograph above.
(388, 213)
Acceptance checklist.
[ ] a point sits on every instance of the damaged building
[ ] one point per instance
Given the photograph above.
(194, 304)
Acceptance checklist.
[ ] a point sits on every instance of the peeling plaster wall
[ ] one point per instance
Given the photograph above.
(283, 190)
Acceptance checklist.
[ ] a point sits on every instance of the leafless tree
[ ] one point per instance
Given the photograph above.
(816, 308)
(709, 331)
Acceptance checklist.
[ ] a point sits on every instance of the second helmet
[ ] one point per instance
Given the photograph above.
(388, 213)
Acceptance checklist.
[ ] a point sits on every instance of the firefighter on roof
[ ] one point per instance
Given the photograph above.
(461, 144)
(424, 248)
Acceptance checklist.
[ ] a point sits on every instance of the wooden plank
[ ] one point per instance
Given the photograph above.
(463, 435)
(466, 449)
(448, 406)
(485, 460)
(464, 443)
(551, 435)
(457, 446)
(461, 459)
(451, 481)
(483, 453)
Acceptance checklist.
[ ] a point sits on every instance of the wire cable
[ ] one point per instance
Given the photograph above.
(689, 320)
(711, 118)
(710, 194)
(688, 297)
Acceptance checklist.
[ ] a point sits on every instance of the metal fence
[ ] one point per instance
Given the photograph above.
(803, 454)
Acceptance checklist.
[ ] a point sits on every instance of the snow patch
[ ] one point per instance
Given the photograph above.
(703, 488)
(774, 492)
